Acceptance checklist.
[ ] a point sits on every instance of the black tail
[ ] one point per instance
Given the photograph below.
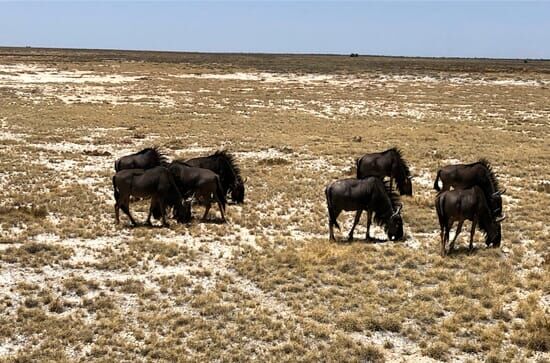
(331, 216)
(117, 165)
(220, 194)
(357, 162)
(436, 184)
(117, 192)
(439, 200)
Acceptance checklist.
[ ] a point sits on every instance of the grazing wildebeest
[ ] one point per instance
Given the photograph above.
(223, 164)
(201, 183)
(387, 163)
(156, 183)
(480, 173)
(471, 204)
(370, 194)
(145, 159)
(156, 210)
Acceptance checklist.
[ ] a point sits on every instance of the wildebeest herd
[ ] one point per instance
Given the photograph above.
(173, 186)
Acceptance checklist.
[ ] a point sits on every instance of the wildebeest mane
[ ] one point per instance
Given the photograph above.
(485, 217)
(381, 214)
(403, 166)
(158, 155)
(491, 173)
(174, 197)
(230, 159)
(171, 200)
(393, 195)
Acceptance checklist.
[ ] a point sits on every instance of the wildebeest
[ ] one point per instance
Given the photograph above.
(480, 173)
(223, 164)
(387, 163)
(144, 159)
(471, 204)
(156, 183)
(370, 194)
(201, 183)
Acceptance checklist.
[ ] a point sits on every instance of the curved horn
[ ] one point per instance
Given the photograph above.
(398, 210)
(410, 177)
(245, 180)
(500, 219)
(499, 192)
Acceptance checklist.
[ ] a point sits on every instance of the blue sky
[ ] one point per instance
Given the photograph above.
(508, 29)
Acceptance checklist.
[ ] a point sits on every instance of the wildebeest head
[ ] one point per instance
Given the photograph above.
(237, 192)
(395, 226)
(407, 186)
(494, 235)
(496, 202)
(183, 212)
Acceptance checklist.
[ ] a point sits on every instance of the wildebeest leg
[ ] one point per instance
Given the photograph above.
(221, 211)
(206, 210)
(163, 213)
(472, 232)
(148, 221)
(458, 229)
(331, 224)
(355, 221)
(442, 236)
(445, 237)
(369, 221)
(117, 207)
(125, 206)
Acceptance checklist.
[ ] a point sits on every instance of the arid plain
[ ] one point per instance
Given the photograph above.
(268, 285)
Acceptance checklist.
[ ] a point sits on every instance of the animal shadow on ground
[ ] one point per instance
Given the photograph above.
(214, 220)
(369, 240)
(144, 225)
(463, 250)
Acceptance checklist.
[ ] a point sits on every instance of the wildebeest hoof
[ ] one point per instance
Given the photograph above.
(350, 239)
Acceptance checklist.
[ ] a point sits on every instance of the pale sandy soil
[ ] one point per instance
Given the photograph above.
(62, 127)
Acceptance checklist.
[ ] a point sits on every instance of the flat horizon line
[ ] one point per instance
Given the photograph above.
(269, 53)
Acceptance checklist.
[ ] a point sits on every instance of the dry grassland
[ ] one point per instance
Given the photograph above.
(268, 285)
